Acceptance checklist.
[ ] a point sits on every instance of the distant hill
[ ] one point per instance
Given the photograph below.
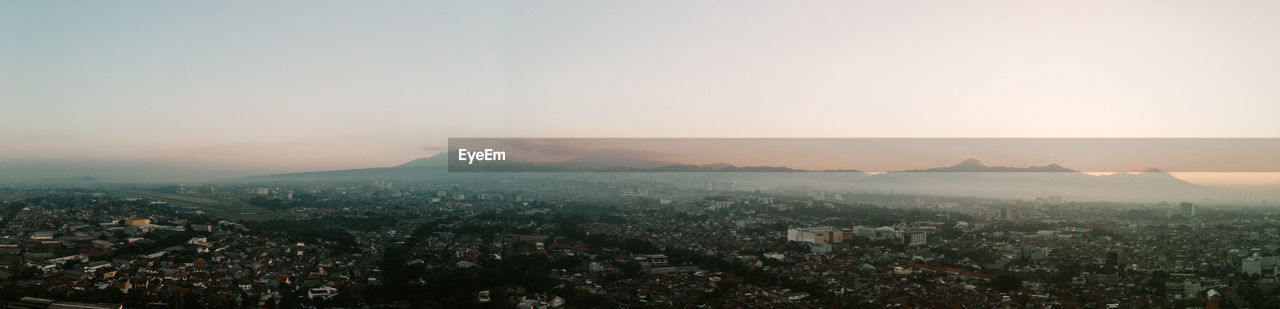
(975, 165)
(608, 158)
(437, 160)
(970, 177)
(721, 167)
(417, 169)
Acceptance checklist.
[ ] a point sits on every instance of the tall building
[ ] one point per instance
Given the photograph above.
(866, 232)
(918, 239)
(1251, 265)
(1191, 288)
(1188, 209)
(1006, 214)
(1033, 253)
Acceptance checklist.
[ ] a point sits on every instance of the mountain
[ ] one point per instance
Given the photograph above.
(720, 167)
(1150, 173)
(416, 169)
(437, 160)
(974, 165)
(970, 177)
(973, 178)
(608, 158)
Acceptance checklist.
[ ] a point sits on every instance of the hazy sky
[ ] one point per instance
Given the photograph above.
(309, 85)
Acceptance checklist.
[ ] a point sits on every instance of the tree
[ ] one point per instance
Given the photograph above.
(1006, 282)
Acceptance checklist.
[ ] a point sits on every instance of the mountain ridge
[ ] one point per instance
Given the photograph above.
(975, 165)
(598, 164)
(967, 178)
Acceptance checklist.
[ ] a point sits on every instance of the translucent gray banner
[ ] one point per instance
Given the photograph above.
(863, 154)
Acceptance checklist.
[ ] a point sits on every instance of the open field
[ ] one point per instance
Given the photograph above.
(221, 206)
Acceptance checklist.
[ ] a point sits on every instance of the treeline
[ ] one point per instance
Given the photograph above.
(570, 226)
(359, 223)
(301, 200)
(306, 231)
(269, 203)
(163, 239)
(329, 228)
(452, 287)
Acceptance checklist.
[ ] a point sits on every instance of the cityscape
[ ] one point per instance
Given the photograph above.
(566, 240)
(639, 154)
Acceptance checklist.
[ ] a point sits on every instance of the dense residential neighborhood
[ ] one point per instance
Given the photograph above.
(621, 244)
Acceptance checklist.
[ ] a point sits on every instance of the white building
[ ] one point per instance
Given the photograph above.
(886, 233)
(324, 292)
(918, 239)
(719, 204)
(1191, 288)
(1251, 265)
(816, 234)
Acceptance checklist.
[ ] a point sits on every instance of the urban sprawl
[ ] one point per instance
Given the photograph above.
(587, 243)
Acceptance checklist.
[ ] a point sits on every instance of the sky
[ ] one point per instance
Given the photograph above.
(245, 87)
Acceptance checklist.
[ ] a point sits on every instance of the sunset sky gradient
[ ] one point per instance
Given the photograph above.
(256, 87)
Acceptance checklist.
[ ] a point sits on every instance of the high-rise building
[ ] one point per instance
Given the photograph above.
(1188, 209)
(918, 239)
(1251, 265)
(1006, 214)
